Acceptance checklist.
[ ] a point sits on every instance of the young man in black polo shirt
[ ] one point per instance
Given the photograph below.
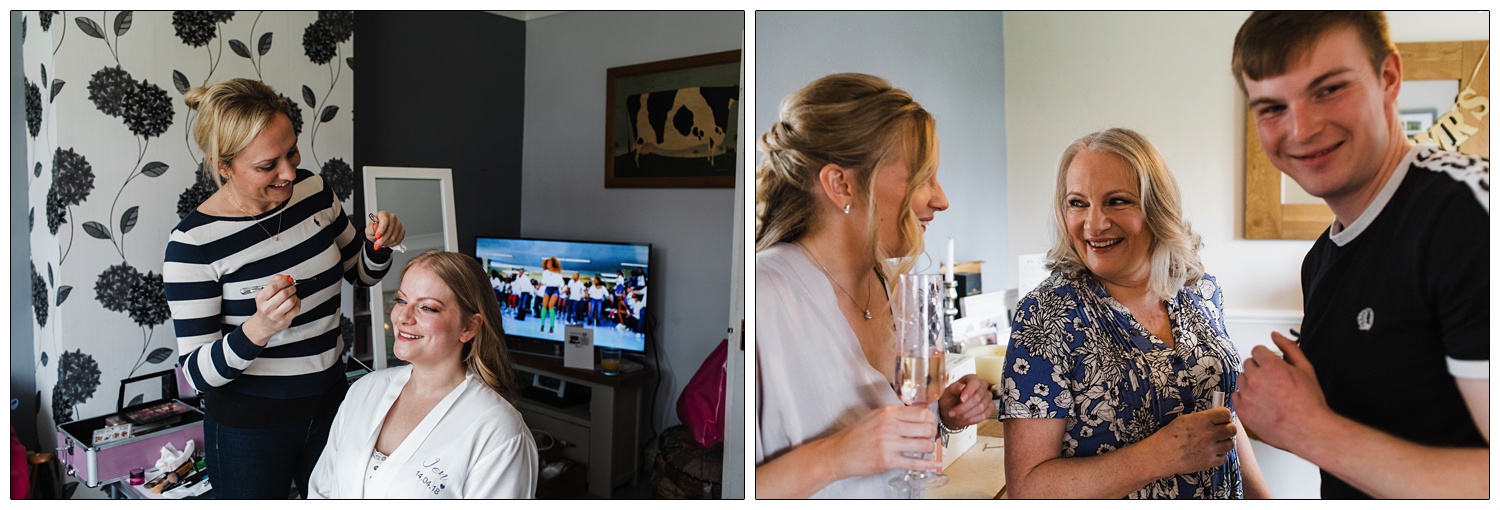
(1396, 292)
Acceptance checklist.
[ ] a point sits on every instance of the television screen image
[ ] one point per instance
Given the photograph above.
(544, 286)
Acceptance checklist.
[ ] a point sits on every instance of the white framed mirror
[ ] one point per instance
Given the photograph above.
(422, 198)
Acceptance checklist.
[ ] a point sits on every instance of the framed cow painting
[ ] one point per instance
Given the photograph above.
(673, 123)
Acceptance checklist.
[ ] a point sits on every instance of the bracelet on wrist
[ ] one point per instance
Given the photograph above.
(946, 430)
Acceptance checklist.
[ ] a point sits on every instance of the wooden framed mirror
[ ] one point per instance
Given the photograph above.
(1435, 73)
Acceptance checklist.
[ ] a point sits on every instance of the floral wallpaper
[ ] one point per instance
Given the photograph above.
(112, 167)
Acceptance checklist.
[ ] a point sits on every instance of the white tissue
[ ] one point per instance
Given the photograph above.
(171, 458)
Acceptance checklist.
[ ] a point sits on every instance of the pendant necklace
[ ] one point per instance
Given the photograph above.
(274, 237)
(865, 308)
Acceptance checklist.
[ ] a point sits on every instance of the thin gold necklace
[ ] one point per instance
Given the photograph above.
(868, 297)
(274, 237)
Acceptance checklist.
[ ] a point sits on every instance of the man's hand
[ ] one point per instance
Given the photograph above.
(1277, 396)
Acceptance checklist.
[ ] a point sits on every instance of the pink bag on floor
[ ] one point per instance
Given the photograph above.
(20, 469)
(701, 406)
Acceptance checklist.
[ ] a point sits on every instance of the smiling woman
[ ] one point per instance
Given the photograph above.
(443, 416)
(1104, 219)
(271, 389)
(848, 182)
(1116, 358)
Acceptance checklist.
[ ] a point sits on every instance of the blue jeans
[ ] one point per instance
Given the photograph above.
(596, 306)
(263, 463)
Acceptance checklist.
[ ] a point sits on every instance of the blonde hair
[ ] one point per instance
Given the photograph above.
(552, 264)
(858, 122)
(230, 115)
(1174, 245)
(485, 355)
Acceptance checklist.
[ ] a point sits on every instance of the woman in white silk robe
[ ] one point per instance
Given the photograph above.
(438, 427)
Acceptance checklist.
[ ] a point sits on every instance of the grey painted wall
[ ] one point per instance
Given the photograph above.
(563, 194)
(951, 63)
(22, 350)
(444, 90)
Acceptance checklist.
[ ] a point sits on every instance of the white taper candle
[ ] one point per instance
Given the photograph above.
(950, 259)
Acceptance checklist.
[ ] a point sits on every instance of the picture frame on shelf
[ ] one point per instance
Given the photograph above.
(1417, 121)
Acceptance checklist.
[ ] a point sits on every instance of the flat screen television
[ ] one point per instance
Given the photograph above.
(600, 286)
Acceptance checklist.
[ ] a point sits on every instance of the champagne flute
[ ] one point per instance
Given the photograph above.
(920, 369)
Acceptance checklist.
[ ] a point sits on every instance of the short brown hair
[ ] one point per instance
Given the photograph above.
(1270, 41)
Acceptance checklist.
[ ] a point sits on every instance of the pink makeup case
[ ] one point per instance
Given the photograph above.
(162, 419)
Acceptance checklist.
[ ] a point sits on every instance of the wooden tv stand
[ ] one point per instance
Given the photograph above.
(605, 431)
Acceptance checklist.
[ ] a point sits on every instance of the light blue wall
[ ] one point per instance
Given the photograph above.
(562, 169)
(952, 63)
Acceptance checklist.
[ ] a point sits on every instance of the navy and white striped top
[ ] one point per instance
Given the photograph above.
(209, 259)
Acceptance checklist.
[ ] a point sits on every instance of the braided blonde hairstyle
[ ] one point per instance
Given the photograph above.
(858, 122)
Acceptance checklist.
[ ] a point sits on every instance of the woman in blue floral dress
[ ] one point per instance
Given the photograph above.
(1116, 359)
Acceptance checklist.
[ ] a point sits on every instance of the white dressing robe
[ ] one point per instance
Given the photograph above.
(473, 444)
(812, 379)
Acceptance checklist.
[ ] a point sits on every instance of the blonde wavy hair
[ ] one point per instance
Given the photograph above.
(858, 122)
(1174, 245)
(230, 115)
(485, 355)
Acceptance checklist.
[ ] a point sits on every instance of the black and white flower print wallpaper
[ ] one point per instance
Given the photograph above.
(112, 167)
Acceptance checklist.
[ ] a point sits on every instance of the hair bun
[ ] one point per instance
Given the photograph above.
(194, 97)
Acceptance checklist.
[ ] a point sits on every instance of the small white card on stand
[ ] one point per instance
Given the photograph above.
(1030, 273)
(579, 351)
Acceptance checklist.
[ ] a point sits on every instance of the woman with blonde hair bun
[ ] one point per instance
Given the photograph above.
(844, 191)
(252, 278)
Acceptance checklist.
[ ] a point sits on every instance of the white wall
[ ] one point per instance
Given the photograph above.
(951, 63)
(1166, 75)
(563, 194)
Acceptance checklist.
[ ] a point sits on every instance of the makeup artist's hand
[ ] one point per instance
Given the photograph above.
(965, 402)
(385, 231)
(1277, 394)
(275, 307)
